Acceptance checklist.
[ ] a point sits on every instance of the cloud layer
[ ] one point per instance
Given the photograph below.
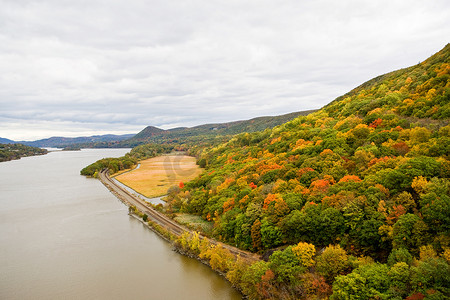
(77, 68)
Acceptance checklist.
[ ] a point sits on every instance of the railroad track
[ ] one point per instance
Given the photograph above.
(131, 199)
(159, 218)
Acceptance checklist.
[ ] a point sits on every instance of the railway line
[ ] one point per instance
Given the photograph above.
(159, 218)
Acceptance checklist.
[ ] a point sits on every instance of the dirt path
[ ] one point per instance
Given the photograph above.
(158, 217)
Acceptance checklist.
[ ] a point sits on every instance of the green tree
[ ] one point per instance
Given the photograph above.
(399, 276)
(270, 235)
(419, 135)
(309, 223)
(349, 287)
(369, 237)
(436, 206)
(332, 262)
(252, 277)
(433, 273)
(370, 281)
(377, 280)
(332, 226)
(408, 232)
(399, 255)
(286, 266)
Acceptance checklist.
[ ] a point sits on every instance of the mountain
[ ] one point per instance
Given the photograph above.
(6, 141)
(204, 135)
(153, 134)
(59, 142)
(419, 91)
(148, 132)
(341, 201)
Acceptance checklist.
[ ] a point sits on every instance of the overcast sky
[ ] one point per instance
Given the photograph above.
(85, 67)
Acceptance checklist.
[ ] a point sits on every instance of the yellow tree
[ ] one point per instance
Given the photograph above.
(305, 253)
(221, 258)
(332, 262)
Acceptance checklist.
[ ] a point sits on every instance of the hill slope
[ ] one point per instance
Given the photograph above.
(419, 91)
(368, 173)
(148, 132)
(201, 135)
(153, 134)
(6, 141)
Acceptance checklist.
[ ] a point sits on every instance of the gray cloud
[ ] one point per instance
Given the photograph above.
(79, 67)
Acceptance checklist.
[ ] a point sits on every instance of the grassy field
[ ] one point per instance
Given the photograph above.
(156, 175)
(194, 222)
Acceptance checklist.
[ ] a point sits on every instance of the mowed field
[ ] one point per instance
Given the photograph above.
(156, 175)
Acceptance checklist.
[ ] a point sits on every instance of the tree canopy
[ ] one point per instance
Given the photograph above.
(366, 176)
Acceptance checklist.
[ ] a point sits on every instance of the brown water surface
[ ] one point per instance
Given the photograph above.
(64, 236)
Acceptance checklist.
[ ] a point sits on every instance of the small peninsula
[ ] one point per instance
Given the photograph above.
(17, 151)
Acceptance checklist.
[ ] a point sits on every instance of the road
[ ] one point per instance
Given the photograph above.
(160, 218)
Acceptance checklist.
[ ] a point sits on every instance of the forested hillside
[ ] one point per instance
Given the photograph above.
(16, 151)
(355, 197)
(193, 135)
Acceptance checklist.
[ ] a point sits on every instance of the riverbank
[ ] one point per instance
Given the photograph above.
(140, 206)
(224, 259)
(177, 247)
(180, 238)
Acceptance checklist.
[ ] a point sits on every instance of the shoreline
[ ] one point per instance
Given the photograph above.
(150, 225)
(171, 233)
(158, 217)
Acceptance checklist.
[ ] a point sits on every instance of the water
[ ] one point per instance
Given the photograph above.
(64, 236)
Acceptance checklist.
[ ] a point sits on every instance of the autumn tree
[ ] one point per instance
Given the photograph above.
(220, 258)
(286, 266)
(332, 262)
(305, 252)
(256, 235)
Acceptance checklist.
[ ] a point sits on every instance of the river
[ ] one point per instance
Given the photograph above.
(64, 236)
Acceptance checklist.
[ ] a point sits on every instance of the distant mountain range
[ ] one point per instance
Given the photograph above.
(158, 135)
(58, 142)
(152, 133)
(7, 141)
